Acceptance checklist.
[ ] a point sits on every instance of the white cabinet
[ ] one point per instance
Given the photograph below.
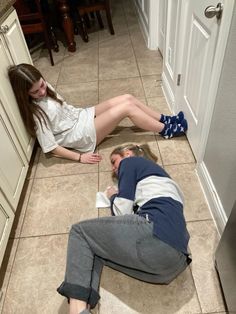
(13, 163)
(13, 50)
(16, 144)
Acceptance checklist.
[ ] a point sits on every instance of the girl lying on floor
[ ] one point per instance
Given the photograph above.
(146, 238)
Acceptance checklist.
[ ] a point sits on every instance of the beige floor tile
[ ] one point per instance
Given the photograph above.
(37, 272)
(175, 151)
(152, 86)
(21, 209)
(119, 24)
(84, 54)
(136, 36)
(126, 123)
(119, 29)
(50, 76)
(51, 166)
(118, 48)
(112, 142)
(81, 94)
(33, 163)
(203, 243)
(6, 267)
(150, 66)
(131, 17)
(118, 16)
(159, 104)
(78, 73)
(195, 204)
(57, 202)
(43, 56)
(126, 295)
(113, 88)
(117, 69)
(140, 48)
(104, 212)
(93, 39)
(105, 180)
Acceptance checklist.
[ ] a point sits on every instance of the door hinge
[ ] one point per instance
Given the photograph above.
(178, 79)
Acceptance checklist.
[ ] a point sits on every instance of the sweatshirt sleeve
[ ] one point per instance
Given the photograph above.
(123, 202)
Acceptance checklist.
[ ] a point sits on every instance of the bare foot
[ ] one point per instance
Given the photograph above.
(77, 306)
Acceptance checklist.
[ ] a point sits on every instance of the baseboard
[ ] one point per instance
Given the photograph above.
(212, 197)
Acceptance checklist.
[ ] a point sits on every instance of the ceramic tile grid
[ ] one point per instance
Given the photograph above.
(59, 192)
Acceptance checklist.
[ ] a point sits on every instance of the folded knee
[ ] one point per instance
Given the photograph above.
(129, 98)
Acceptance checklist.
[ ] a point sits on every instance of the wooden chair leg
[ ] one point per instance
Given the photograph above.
(83, 29)
(98, 14)
(53, 39)
(108, 15)
(87, 20)
(48, 46)
(109, 21)
(51, 57)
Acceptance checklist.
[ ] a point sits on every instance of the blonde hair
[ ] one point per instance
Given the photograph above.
(142, 150)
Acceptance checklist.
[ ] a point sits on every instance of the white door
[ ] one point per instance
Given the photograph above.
(162, 25)
(200, 36)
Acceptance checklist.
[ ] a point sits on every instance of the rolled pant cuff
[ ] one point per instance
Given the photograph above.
(74, 291)
(88, 295)
(93, 298)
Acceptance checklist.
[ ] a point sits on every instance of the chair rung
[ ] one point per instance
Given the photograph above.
(32, 28)
(88, 9)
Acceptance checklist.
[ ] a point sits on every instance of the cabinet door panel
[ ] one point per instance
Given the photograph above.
(16, 41)
(13, 164)
(6, 220)
(13, 50)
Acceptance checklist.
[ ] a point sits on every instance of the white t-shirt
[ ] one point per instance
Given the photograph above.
(67, 126)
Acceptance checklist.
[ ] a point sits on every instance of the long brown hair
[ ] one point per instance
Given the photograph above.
(22, 77)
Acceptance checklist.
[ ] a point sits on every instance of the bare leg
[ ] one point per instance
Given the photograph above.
(77, 306)
(110, 113)
(116, 101)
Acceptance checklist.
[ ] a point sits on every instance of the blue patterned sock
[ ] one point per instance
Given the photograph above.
(176, 129)
(172, 119)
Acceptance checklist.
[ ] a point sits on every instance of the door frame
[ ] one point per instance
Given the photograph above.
(216, 70)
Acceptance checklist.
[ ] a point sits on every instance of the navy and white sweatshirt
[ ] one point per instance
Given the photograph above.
(145, 185)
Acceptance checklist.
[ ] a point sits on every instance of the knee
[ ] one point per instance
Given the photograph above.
(129, 100)
(75, 229)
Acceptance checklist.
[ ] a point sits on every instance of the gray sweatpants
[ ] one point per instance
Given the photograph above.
(125, 243)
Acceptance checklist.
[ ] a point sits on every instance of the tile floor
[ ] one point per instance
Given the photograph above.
(59, 193)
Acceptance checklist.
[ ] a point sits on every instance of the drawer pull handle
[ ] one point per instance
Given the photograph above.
(4, 29)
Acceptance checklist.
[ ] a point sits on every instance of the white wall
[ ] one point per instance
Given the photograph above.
(220, 154)
(147, 11)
